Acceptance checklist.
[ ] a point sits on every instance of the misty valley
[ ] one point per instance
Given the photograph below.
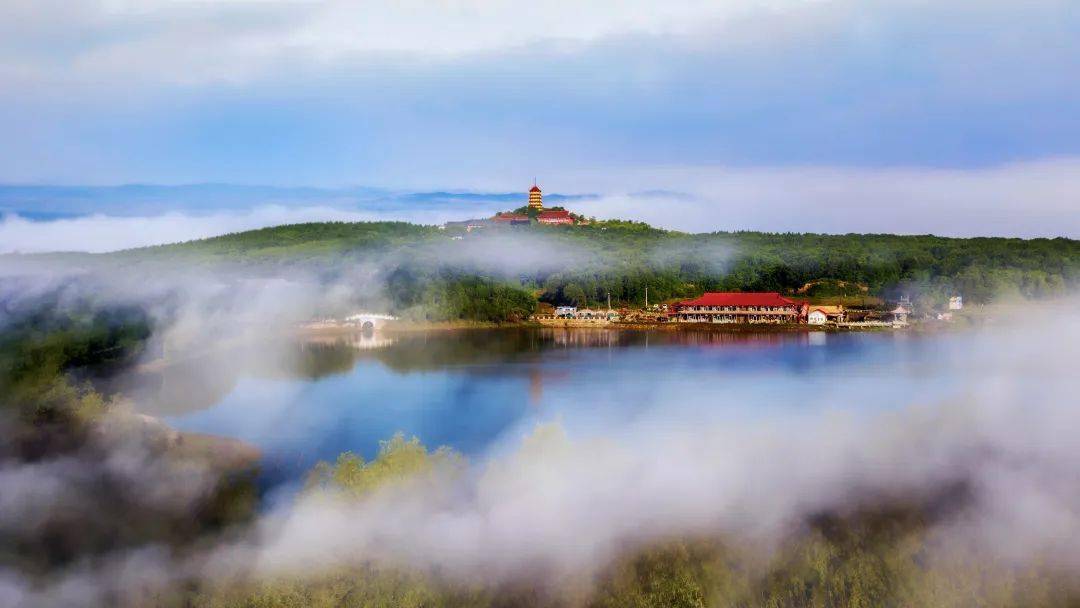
(478, 390)
(386, 414)
(539, 304)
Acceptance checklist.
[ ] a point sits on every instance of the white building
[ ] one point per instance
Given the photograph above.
(816, 317)
(956, 303)
(900, 315)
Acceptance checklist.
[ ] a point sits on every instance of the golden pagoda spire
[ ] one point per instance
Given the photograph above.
(535, 197)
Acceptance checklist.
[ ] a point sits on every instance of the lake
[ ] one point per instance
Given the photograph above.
(480, 391)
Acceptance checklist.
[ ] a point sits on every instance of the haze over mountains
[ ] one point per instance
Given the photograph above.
(50, 202)
(109, 218)
(955, 118)
(1020, 200)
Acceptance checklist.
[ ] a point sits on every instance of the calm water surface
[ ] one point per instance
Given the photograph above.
(480, 391)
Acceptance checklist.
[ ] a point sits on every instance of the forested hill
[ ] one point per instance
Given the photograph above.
(497, 273)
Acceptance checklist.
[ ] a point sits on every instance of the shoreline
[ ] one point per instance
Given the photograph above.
(421, 327)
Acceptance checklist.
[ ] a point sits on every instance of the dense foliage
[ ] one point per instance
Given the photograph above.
(49, 351)
(291, 242)
(399, 460)
(625, 258)
(484, 275)
(444, 295)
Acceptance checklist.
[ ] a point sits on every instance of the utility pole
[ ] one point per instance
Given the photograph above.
(609, 301)
(646, 297)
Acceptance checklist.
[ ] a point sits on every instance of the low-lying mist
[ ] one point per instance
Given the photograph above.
(567, 505)
(100, 233)
(997, 467)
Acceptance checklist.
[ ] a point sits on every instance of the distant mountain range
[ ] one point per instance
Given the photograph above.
(50, 202)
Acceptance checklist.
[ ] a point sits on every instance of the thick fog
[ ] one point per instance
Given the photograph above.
(553, 505)
(563, 505)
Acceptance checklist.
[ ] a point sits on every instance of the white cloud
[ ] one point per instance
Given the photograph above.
(183, 40)
(1023, 199)
(343, 92)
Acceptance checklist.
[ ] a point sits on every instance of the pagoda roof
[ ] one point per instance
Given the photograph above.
(535, 188)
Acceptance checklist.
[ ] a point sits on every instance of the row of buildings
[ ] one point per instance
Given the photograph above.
(737, 307)
(744, 307)
(771, 307)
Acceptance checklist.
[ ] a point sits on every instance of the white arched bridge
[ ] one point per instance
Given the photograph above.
(368, 321)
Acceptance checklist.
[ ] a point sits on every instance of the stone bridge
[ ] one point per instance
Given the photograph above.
(368, 321)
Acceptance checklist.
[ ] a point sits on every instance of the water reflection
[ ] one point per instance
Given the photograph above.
(364, 340)
(304, 400)
(606, 337)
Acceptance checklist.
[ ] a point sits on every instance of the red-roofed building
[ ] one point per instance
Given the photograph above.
(819, 315)
(740, 307)
(511, 218)
(555, 216)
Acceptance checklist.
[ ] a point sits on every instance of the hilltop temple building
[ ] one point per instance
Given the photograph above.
(535, 211)
(536, 198)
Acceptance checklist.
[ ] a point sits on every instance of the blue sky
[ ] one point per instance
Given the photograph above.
(486, 95)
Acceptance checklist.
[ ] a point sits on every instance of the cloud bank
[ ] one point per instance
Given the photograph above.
(1018, 200)
(247, 38)
(430, 94)
(103, 233)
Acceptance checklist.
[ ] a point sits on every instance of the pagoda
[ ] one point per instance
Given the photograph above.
(535, 198)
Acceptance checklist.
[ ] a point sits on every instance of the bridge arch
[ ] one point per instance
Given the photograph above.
(368, 322)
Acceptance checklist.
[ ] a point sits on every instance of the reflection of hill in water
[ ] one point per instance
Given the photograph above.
(199, 383)
(192, 384)
(314, 360)
(186, 386)
(439, 350)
